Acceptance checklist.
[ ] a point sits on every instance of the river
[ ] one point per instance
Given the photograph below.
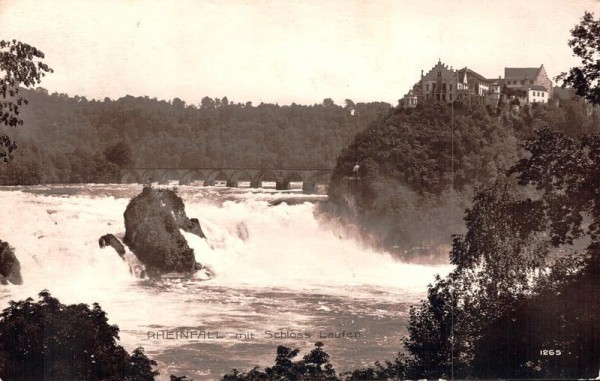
(292, 281)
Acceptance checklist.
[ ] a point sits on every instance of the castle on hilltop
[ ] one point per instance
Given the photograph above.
(444, 84)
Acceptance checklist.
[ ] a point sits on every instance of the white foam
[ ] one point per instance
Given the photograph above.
(286, 247)
(56, 241)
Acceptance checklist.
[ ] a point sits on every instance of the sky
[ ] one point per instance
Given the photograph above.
(284, 51)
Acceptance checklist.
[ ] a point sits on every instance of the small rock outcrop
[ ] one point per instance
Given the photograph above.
(152, 222)
(191, 225)
(136, 268)
(111, 240)
(176, 378)
(10, 268)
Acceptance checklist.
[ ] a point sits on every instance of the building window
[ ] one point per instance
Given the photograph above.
(543, 94)
(450, 86)
(450, 95)
(427, 87)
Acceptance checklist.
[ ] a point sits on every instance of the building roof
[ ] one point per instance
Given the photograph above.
(521, 72)
(438, 66)
(472, 73)
(537, 88)
(533, 87)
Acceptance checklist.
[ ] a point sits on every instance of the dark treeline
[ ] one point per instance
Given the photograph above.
(72, 139)
(416, 177)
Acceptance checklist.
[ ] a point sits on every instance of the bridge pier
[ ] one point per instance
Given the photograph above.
(308, 187)
(232, 184)
(282, 185)
(255, 184)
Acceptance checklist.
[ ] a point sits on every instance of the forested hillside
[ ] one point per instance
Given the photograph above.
(416, 177)
(72, 139)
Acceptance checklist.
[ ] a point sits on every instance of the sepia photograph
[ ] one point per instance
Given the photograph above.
(299, 190)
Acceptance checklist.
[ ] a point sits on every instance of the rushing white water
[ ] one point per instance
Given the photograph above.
(276, 269)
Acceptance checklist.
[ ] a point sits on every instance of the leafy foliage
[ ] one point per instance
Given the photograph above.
(585, 79)
(119, 154)
(387, 371)
(314, 366)
(527, 275)
(22, 66)
(565, 171)
(48, 340)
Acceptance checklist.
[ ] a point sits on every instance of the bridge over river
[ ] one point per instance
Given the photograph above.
(231, 177)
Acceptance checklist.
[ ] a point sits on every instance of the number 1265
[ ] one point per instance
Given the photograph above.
(550, 352)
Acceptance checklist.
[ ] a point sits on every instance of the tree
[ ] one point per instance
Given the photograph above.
(328, 102)
(527, 275)
(22, 66)
(586, 45)
(49, 340)
(119, 154)
(30, 167)
(207, 103)
(178, 103)
(314, 366)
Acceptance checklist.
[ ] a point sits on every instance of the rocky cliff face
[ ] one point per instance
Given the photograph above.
(10, 268)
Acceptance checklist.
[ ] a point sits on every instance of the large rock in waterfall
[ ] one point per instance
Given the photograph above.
(152, 222)
(10, 268)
